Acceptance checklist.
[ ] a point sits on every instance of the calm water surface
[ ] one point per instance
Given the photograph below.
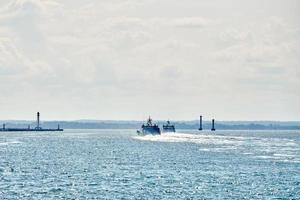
(117, 164)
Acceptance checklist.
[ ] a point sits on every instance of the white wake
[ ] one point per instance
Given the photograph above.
(193, 138)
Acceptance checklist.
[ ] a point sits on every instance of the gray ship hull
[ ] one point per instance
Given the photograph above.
(149, 131)
(169, 129)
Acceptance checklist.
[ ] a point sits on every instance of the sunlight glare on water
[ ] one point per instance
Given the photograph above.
(115, 164)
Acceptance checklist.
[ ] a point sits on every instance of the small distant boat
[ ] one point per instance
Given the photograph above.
(149, 128)
(169, 127)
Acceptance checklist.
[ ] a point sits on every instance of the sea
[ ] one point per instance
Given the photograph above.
(118, 164)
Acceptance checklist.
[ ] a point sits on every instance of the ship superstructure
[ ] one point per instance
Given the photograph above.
(149, 128)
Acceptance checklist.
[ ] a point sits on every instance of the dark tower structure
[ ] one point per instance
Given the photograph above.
(200, 126)
(213, 125)
(36, 128)
(38, 121)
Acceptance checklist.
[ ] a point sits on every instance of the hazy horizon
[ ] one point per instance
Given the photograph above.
(128, 59)
(144, 119)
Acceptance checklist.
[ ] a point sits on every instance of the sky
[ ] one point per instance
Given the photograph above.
(171, 59)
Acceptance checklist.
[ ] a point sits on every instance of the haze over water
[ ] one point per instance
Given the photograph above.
(118, 164)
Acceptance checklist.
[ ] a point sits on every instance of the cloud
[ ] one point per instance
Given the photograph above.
(273, 46)
(12, 62)
(113, 52)
(191, 22)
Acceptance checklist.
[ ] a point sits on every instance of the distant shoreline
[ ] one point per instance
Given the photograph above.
(188, 125)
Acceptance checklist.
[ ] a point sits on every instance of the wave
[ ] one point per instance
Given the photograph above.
(278, 149)
(9, 143)
(193, 138)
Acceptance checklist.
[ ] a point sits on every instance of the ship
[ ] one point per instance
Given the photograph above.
(149, 128)
(169, 127)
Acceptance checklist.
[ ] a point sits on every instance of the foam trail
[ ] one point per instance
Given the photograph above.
(193, 138)
(9, 142)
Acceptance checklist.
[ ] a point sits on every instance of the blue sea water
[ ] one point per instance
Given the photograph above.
(117, 164)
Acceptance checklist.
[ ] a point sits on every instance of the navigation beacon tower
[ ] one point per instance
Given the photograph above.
(200, 126)
(213, 125)
(38, 121)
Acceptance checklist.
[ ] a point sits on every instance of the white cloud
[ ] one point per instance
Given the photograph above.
(114, 53)
(191, 22)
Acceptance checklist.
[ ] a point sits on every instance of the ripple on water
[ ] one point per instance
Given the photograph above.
(120, 165)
